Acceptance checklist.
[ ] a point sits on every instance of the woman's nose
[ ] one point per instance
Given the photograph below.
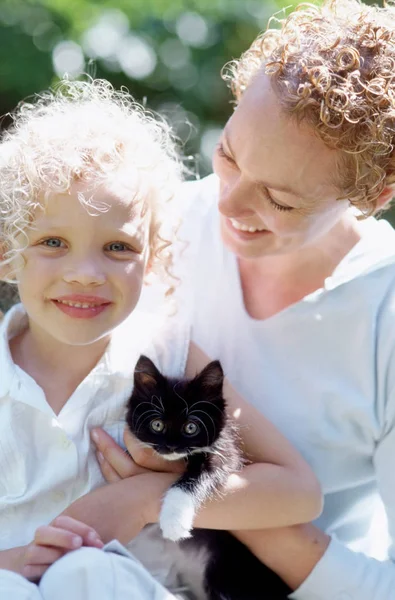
(235, 199)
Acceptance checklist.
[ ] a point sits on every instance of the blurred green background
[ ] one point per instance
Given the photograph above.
(168, 53)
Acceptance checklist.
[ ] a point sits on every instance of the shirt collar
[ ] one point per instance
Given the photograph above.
(127, 342)
(375, 249)
(133, 337)
(13, 323)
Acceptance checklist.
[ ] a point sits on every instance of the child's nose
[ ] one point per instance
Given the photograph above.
(84, 274)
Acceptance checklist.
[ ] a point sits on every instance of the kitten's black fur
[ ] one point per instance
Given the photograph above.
(188, 417)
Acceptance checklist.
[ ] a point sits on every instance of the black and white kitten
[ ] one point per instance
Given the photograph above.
(186, 418)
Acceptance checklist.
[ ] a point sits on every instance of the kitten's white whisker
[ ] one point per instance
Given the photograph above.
(159, 400)
(208, 437)
(147, 412)
(143, 444)
(211, 450)
(205, 402)
(142, 423)
(181, 398)
(222, 457)
(141, 404)
(207, 415)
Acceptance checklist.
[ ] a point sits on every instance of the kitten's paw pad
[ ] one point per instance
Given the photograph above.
(177, 515)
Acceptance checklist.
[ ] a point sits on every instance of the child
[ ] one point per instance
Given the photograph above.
(86, 176)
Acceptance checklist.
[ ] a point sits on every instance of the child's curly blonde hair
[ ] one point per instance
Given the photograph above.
(86, 131)
(333, 66)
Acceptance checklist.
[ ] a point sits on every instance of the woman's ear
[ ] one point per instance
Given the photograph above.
(385, 197)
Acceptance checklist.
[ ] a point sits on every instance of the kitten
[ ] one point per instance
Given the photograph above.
(187, 419)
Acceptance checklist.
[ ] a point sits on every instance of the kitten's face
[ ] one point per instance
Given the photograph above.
(176, 417)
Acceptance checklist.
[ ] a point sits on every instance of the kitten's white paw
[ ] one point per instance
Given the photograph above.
(176, 515)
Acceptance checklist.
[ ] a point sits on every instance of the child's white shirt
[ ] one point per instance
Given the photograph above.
(46, 460)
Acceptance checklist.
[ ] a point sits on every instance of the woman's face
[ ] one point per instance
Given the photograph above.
(277, 190)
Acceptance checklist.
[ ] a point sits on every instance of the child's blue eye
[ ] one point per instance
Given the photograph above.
(52, 243)
(118, 247)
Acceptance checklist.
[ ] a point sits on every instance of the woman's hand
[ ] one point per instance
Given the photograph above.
(116, 464)
(50, 542)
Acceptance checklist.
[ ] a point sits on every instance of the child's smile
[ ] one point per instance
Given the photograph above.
(80, 306)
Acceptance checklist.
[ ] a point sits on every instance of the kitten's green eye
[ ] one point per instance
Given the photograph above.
(157, 425)
(190, 428)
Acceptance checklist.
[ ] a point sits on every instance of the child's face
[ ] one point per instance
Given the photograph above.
(84, 269)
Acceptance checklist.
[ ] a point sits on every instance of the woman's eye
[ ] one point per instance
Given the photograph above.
(157, 425)
(274, 204)
(278, 206)
(53, 243)
(191, 428)
(221, 152)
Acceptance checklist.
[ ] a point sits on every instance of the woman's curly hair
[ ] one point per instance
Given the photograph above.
(86, 131)
(333, 67)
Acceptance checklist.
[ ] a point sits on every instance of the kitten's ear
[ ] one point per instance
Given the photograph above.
(211, 378)
(145, 373)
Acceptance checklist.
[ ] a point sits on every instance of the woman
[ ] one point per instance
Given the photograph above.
(294, 292)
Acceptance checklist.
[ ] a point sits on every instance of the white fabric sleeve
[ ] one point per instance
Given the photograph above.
(343, 574)
(169, 348)
(15, 587)
(91, 574)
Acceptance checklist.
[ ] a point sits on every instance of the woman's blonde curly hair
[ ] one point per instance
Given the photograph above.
(333, 67)
(88, 132)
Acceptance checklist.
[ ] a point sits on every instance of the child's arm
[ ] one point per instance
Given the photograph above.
(279, 483)
(278, 489)
(50, 543)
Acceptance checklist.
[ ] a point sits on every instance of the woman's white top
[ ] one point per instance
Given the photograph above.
(46, 460)
(323, 370)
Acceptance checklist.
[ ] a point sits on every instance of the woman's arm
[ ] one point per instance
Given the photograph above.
(278, 489)
(315, 565)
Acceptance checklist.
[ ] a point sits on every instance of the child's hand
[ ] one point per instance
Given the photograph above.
(116, 464)
(52, 541)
